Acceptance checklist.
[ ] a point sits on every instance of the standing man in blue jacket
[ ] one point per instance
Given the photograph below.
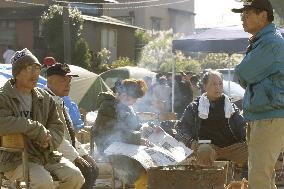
(261, 73)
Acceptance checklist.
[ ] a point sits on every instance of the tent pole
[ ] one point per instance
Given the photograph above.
(229, 74)
(173, 83)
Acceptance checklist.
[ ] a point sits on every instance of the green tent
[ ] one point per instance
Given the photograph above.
(111, 76)
(86, 87)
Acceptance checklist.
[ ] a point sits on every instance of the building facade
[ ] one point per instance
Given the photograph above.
(20, 28)
(155, 15)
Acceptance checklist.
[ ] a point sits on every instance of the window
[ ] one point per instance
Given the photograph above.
(6, 24)
(109, 41)
(7, 31)
(156, 23)
(86, 9)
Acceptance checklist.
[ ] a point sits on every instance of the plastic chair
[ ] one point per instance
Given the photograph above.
(16, 143)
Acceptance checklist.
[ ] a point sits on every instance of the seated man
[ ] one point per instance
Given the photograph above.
(212, 116)
(58, 82)
(28, 110)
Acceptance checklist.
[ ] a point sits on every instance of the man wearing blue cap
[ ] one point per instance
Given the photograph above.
(261, 73)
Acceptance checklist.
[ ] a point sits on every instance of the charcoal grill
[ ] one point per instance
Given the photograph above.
(189, 176)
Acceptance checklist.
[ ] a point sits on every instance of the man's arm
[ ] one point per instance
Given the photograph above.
(12, 124)
(68, 150)
(258, 64)
(238, 125)
(186, 128)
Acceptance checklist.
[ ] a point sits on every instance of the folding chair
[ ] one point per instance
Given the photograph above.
(16, 143)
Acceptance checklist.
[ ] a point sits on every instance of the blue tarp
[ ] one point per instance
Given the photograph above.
(6, 73)
(231, 39)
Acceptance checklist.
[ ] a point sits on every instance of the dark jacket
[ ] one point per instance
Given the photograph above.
(115, 122)
(189, 126)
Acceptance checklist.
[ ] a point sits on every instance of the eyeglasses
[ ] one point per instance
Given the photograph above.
(245, 14)
(33, 69)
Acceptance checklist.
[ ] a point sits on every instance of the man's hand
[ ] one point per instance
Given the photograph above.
(46, 139)
(194, 145)
(81, 161)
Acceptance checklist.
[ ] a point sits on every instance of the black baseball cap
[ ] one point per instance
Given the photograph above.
(256, 4)
(60, 69)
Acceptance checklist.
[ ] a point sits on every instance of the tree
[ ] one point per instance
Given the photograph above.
(121, 62)
(52, 27)
(157, 55)
(158, 52)
(278, 6)
(220, 60)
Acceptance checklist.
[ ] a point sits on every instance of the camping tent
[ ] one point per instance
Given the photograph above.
(111, 76)
(86, 88)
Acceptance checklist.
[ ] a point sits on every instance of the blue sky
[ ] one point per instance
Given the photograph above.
(216, 13)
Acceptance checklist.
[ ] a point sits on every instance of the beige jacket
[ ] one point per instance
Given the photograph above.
(45, 118)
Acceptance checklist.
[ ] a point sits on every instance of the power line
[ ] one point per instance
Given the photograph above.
(136, 7)
(125, 3)
(106, 8)
(26, 3)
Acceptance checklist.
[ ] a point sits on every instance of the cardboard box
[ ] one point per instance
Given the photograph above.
(12, 141)
(189, 177)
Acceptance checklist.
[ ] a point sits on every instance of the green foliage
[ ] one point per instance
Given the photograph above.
(220, 60)
(142, 36)
(103, 68)
(157, 55)
(157, 52)
(52, 27)
(81, 56)
(121, 62)
(278, 6)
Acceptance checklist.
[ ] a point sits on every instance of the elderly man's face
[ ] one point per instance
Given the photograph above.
(28, 76)
(214, 87)
(59, 85)
(252, 22)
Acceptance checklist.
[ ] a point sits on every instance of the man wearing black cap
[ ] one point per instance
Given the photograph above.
(261, 73)
(28, 110)
(58, 85)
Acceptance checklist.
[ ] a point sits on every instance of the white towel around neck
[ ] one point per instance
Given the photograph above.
(204, 104)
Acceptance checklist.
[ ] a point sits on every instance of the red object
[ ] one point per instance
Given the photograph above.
(48, 61)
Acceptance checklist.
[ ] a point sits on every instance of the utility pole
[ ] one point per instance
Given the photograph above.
(66, 34)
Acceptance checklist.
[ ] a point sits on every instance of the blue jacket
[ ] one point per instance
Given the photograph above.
(261, 73)
(188, 127)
